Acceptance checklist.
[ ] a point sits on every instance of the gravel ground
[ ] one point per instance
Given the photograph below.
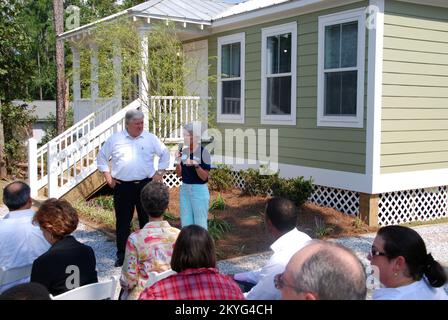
(435, 236)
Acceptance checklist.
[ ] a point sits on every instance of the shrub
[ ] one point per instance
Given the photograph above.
(218, 203)
(220, 178)
(256, 183)
(297, 189)
(105, 202)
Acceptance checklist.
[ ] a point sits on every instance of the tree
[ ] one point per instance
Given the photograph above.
(58, 16)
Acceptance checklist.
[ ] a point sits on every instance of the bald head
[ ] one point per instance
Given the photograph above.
(16, 196)
(326, 271)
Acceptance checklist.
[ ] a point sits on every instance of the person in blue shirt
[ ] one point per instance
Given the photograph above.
(193, 165)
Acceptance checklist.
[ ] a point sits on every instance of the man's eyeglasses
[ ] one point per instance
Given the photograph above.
(375, 252)
(280, 283)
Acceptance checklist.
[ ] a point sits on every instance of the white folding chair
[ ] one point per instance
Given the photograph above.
(153, 276)
(15, 274)
(94, 291)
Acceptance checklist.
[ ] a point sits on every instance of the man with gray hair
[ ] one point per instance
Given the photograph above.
(323, 271)
(131, 153)
(21, 242)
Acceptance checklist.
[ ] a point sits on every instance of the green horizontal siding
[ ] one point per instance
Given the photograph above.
(303, 144)
(415, 88)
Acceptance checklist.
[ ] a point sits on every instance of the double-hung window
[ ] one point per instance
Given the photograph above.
(231, 51)
(278, 74)
(341, 69)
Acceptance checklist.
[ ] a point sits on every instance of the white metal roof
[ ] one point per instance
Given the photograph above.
(196, 10)
(247, 6)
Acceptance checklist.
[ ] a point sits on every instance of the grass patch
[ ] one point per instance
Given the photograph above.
(321, 229)
(218, 227)
(95, 213)
(218, 203)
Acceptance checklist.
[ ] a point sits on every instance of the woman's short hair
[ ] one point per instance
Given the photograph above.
(195, 129)
(155, 198)
(406, 242)
(194, 248)
(57, 217)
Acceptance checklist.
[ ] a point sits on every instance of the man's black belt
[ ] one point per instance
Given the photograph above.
(135, 181)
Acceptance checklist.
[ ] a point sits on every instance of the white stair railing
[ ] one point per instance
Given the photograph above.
(70, 157)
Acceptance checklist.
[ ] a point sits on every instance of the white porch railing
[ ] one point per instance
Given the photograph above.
(170, 113)
(70, 157)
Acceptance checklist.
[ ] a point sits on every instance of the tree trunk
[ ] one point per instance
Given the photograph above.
(40, 75)
(58, 14)
(3, 171)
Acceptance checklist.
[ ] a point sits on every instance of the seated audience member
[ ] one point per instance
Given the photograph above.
(68, 263)
(197, 278)
(26, 291)
(149, 249)
(407, 271)
(21, 242)
(281, 222)
(323, 271)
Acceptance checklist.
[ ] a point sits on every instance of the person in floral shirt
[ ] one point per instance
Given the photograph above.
(148, 249)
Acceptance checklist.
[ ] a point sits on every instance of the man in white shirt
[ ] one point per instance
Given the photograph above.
(281, 221)
(132, 153)
(21, 242)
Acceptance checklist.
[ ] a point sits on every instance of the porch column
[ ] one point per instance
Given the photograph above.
(368, 208)
(143, 85)
(117, 73)
(93, 74)
(76, 82)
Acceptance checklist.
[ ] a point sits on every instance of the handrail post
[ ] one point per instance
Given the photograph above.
(52, 169)
(32, 166)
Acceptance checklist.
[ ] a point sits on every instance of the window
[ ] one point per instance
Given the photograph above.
(231, 78)
(341, 69)
(278, 74)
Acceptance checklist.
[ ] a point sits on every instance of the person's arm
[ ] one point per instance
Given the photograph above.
(128, 279)
(102, 163)
(164, 158)
(265, 288)
(178, 164)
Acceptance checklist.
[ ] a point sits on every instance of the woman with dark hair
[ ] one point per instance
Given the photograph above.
(68, 263)
(197, 278)
(148, 249)
(407, 271)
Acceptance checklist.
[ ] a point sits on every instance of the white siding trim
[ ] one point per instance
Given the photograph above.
(374, 96)
(234, 38)
(266, 32)
(341, 121)
(411, 180)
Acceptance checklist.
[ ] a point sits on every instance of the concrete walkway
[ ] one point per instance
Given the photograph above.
(435, 236)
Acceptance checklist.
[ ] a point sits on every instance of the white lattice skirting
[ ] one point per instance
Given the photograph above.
(393, 208)
(413, 205)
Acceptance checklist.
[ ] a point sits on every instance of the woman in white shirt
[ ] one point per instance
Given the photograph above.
(406, 270)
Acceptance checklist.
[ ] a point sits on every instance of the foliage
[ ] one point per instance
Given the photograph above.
(218, 204)
(218, 227)
(321, 229)
(256, 183)
(17, 122)
(169, 216)
(220, 178)
(105, 202)
(95, 213)
(296, 189)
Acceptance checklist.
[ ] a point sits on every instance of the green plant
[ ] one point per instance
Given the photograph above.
(105, 202)
(220, 178)
(218, 204)
(218, 227)
(95, 213)
(256, 183)
(322, 229)
(358, 223)
(297, 189)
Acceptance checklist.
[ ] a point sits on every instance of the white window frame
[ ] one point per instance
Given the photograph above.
(341, 121)
(265, 33)
(234, 38)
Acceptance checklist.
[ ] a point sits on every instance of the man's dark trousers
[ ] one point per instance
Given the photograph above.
(126, 200)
